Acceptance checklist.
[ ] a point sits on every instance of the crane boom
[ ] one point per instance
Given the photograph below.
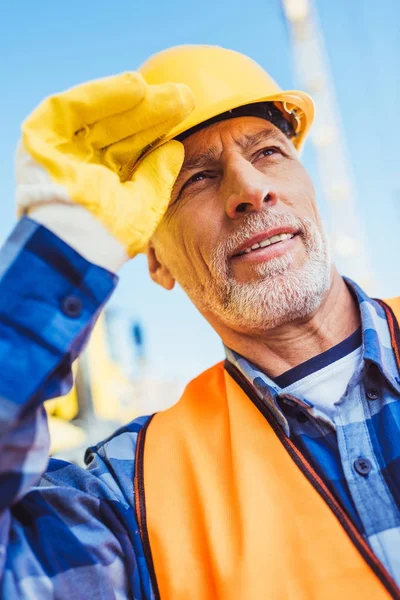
(314, 74)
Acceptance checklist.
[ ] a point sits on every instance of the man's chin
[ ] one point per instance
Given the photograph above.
(271, 299)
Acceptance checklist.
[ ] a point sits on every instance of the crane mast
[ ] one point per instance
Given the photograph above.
(314, 75)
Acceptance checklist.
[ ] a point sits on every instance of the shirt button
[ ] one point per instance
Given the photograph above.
(372, 394)
(72, 306)
(302, 417)
(363, 466)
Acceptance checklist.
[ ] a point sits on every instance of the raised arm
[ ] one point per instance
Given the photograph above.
(75, 532)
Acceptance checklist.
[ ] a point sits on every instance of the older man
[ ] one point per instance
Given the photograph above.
(277, 474)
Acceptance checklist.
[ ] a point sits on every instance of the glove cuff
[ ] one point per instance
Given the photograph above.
(81, 230)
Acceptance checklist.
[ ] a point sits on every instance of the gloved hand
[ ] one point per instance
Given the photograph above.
(76, 147)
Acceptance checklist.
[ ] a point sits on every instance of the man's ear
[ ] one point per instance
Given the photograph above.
(158, 271)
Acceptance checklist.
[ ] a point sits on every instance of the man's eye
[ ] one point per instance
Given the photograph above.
(194, 179)
(268, 151)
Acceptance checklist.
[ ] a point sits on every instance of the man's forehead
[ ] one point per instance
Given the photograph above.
(206, 146)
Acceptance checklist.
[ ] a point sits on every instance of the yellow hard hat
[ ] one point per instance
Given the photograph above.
(222, 80)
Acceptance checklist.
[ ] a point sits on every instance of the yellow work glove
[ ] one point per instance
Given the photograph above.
(76, 144)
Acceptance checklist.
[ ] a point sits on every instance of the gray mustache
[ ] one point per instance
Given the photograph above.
(253, 224)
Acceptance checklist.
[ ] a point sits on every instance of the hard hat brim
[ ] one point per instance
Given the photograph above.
(297, 107)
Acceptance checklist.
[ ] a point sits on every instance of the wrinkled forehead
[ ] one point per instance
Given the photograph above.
(243, 133)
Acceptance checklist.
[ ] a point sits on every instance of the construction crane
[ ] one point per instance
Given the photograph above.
(314, 75)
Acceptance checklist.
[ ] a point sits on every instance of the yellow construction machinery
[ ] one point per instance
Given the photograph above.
(103, 397)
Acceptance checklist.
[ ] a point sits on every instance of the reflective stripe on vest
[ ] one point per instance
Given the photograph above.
(229, 508)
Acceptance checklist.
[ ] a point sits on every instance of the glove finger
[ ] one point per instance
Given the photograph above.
(65, 114)
(122, 156)
(151, 186)
(165, 105)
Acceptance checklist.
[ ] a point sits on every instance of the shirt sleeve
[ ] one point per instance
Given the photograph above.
(50, 298)
(67, 536)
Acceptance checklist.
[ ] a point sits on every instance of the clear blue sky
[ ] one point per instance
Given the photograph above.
(46, 47)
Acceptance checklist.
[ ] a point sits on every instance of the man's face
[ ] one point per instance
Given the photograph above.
(242, 234)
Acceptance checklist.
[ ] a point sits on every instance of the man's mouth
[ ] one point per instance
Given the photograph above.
(264, 242)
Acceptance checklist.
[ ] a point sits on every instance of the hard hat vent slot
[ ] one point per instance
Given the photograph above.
(295, 114)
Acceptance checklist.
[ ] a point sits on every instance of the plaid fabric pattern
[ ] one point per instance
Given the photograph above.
(73, 532)
(362, 428)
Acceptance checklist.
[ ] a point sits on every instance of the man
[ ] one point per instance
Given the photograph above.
(277, 474)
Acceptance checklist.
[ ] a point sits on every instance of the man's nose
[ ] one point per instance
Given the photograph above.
(246, 189)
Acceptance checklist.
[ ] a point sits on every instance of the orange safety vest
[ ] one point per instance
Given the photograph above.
(229, 508)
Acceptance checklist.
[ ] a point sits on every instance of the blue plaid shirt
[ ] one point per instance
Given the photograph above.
(72, 532)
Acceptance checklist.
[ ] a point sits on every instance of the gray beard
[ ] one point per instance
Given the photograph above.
(280, 293)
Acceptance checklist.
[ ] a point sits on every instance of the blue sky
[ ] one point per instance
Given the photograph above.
(49, 46)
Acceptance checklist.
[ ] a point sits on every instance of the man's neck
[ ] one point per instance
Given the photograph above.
(291, 344)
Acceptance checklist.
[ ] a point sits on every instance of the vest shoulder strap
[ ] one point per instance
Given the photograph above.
(394, 304)
(392, 311)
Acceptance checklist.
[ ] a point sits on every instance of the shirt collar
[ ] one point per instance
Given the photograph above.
(377, 343)
(376, 348)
